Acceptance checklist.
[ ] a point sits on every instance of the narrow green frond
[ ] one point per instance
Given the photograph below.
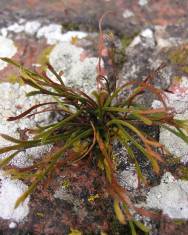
(33, 93)
(23, 197)
(141, 148)
(133, 230)
(11, 139)
(54, 158)
(177, 132)
(58, 125)
(52, 70)
(141, 226)
(142, 118)
(4, 162)
(118, 212)
(132, 155)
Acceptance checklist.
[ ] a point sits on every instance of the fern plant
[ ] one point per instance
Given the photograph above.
(92, 123)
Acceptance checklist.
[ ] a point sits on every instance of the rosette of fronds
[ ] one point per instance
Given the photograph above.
(92, 122)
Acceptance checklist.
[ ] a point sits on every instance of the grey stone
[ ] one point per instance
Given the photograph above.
(171, 196)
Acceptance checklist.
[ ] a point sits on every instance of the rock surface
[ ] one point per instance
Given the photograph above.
(179, 102)
(16, 102)
(7, 49)
(171, 196)
(10, 190)
(76, 72)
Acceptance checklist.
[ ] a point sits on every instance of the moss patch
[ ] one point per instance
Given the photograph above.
(43, 58)
(121, 54)
(179, 57)
(125, 41)
(12, 78)
(70, 26)
(179, 222)
(183, 171)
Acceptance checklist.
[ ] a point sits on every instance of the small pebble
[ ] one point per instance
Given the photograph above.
(12, 225)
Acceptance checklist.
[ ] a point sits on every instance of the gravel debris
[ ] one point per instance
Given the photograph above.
(12, 225)
(127, 14)
(143, 2)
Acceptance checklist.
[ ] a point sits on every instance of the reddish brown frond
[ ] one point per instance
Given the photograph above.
(29, 110)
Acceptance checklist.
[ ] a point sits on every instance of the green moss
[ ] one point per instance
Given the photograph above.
(43, 58)
(66, 183)
(12, 78)
(177, 79)
(172, 160)
(179, 222)
(179, 57)
(185, 69)
(70, 26)
(184, 172)
(92, 198)
(125, 41)
(120, 53)
(40, 214)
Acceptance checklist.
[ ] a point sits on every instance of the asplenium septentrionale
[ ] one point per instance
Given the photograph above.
(94, 121)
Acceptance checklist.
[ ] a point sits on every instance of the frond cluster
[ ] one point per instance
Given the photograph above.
(92, 123)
